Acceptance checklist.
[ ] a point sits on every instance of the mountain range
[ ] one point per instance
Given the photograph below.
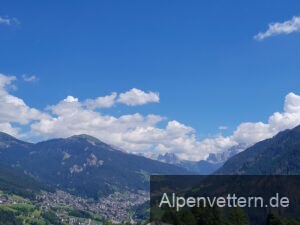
(81, 165)
(202, 167)
(277, 155)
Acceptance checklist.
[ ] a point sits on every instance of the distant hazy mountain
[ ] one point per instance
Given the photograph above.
(170, 158)
(224, 156)
(202, 167)
(82, 164)
(278, 155)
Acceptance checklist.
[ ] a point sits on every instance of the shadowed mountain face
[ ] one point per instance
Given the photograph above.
(21, 184)
(82, 164)
(278, 155)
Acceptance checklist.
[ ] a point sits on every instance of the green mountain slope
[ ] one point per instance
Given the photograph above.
(20, 184)
(82, 165)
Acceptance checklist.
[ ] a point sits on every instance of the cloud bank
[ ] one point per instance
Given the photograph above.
(287, 27)
(135, 133)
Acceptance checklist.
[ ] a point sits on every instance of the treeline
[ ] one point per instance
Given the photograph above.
(214, 216)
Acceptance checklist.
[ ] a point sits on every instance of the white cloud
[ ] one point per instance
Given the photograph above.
(250, 133)
(29, 78)
(291, 115)
(5, 21)
(7, 128)
(138, 97)
(140, 134)
(246, 134)
(14, 109)
(135, 133)
(4, 81)
(70, 99)
(8, 21)
(130, 98)
(102, 102)
(286, 27)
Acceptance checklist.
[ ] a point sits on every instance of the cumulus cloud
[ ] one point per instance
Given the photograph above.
(246, 134)
(14, 109)
(102, 102)
(27, 78)
(291, 115)
(287, 27)
(4, 81)
(72, 117)
(249, 133)
(135, 133)
(70, 99)
(7, 128)
(138, 97)
(130, 98)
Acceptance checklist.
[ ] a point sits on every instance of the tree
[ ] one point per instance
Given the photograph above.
(188, 218)
(274, 220)
(208, 215)
(36, 213)
(237, 217)
(8, 218)
(51, 218)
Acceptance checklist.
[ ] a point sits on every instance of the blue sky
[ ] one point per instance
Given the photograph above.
(200, 56)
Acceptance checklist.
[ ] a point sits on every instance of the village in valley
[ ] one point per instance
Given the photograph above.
(70, 209)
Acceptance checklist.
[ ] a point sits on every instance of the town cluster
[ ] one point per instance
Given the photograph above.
(116, 207)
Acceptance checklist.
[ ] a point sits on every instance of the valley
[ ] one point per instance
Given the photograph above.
(81, 180)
